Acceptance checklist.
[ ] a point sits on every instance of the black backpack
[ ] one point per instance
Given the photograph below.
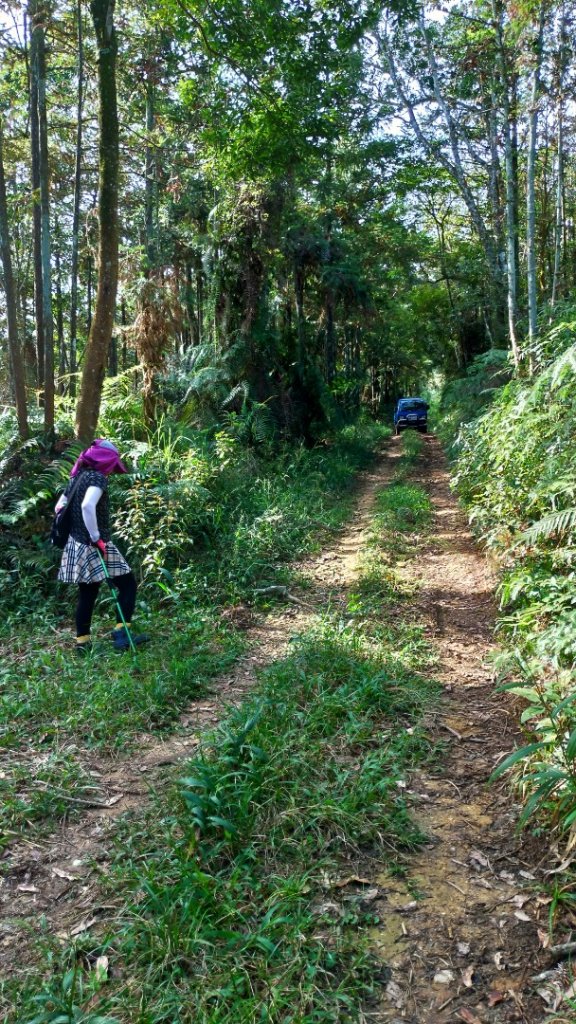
(60, 530)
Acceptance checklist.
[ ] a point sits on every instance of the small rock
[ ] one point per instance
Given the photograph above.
(443, 978)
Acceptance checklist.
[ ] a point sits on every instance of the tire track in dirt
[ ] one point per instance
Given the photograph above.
(56, 876)
(460, 933)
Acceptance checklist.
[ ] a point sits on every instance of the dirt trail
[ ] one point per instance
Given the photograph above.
(461, 934)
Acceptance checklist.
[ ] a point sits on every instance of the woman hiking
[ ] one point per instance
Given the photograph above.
(89, 538)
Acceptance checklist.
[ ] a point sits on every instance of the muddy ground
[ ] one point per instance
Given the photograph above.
(462, 937)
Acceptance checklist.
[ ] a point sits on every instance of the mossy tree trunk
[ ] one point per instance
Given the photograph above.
(95, 359)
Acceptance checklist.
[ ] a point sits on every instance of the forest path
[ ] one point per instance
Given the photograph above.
(55, 878)
(458, 937)
(460, 933)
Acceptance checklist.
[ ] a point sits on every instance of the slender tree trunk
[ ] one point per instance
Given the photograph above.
(199, 269)
(88, 407)
(150, 179)
(38, 49)
(89, 295)
(76, 209)
(124, 344)
(330, 338)
(560, 190)
(16, 361)
(59, 317)
(36, 212)
(531, 186)
(299, 281)
(511, 187)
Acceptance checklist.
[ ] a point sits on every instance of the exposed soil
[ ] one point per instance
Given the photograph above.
(459, 936)
(461, 933)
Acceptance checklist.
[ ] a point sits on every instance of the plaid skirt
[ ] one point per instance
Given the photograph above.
(81, 563)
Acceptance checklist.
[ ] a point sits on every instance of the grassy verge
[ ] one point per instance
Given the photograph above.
(54, 708)
(237, 893)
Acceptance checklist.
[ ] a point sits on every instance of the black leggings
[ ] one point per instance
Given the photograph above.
(88, 592)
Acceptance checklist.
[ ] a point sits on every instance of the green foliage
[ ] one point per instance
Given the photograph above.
(64, 1004)
(464, 398)
(516, 473)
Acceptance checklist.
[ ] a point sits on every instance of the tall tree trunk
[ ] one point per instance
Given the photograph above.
(511, 185)
(531, 185)
(124, 342)
(89, 295)
(16, 361)
(329, 338)
(36, 212)
(199, 270)
(39, 73)
(88, 407)
(62, 362)
(299, 282)
(76, 210)
(559, 218)
(150, 178)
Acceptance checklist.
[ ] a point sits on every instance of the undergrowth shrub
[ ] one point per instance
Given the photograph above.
(198, 505)
(516, 473)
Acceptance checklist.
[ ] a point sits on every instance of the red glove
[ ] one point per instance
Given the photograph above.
(100, 544)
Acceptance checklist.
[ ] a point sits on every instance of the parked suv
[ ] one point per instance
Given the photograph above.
(411, 412)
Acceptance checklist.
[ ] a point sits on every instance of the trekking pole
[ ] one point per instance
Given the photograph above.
(110, 583)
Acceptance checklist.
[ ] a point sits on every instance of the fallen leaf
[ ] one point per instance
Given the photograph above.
(498, 961)
(407, 907)
(27, 888)
(570, 992)
(369, 894)
(479, 858)
(341, 883)
(101, 969)
(82, 927)
(443, 978)
(395, 994)
(469, 1017)
(114, 800)
(544, 938)
(561, 868)
(495, 997)
(527, 874)
(64, 874)
(521, 915)
(467, 976)
(519, 900)
(463, 948)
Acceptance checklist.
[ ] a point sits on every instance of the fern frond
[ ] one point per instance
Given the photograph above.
(242, 388)
(551, 526)
(179, 489)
